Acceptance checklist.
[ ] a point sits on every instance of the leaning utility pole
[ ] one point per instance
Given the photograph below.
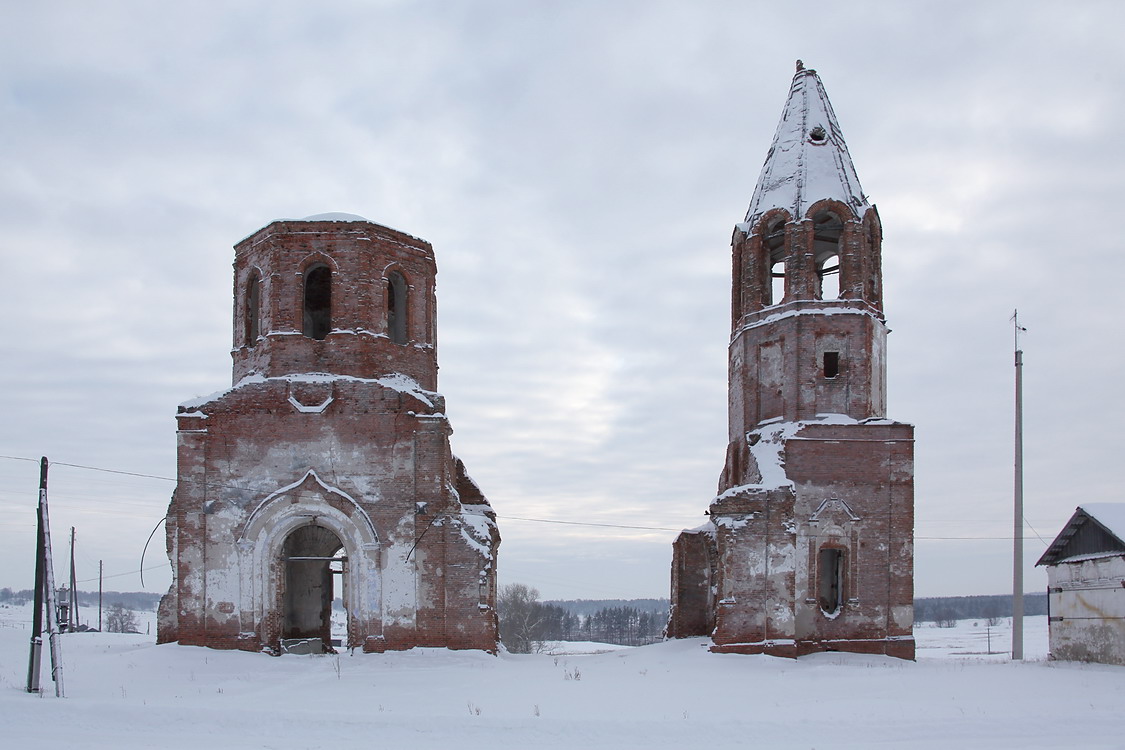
(35, 659)
(1017, 523)
(44, 595)
(72, 609)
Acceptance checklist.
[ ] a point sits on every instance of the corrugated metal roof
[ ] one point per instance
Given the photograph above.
(1094, 529)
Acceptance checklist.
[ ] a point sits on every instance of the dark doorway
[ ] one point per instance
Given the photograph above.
(312, 556)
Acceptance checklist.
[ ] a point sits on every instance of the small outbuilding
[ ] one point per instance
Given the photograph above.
(1086, 585)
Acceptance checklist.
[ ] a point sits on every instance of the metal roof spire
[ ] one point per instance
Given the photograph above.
(808, 160)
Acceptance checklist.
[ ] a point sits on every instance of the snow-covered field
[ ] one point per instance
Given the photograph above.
(125, 692)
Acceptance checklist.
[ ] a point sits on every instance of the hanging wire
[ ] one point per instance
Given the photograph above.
(143, 551)
(553, 521)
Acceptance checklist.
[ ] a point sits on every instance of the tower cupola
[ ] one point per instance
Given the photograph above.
(808, 333)
(336, 294)
(810, 233)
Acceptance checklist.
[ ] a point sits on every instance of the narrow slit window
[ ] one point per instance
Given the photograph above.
(318, 302)
(253, 310)
(831, 364)
(831, 571)
(396, 307)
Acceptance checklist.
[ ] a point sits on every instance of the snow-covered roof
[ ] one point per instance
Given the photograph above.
(1095, 529)
(334, 216)
(808, 160)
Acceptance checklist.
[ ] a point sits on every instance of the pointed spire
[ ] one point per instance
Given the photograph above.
(808, 160)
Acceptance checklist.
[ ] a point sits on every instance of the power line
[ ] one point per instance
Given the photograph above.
(129, 573)
(588, 523)
(506, 517)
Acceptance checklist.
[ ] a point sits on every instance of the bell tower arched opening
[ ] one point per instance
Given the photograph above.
(311, 561)
(396, 307)
(774, 243)
(827, 231)
(253, 310)
(318, 302)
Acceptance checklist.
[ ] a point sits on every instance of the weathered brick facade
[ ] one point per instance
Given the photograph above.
(326, 469)
(810, 542)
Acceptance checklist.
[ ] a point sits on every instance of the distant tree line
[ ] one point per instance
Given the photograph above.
(527, 623)
(946, 610)
(587, 607)
(135, 600)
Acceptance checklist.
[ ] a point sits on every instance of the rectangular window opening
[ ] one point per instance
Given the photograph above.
(831, 364)
(831, 573)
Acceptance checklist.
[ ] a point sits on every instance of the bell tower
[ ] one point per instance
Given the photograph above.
(325, 472)
(809, 544)
(808, 335)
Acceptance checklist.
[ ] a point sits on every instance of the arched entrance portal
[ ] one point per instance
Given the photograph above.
(312, 560)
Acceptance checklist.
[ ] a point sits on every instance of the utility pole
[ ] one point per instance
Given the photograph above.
(44, 595)
(1017, 522)
(49, 567)
(99, 596)
(35, 658)
(72, 609)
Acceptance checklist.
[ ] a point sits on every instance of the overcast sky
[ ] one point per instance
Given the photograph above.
(578, 167)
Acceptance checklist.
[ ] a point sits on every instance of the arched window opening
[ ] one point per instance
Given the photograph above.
(396, 307)
(830, 565)
(828, 274)
(828, 229)
(774, 242)
(318, 302)
(777, 282)
(312, 559)
(252, 313)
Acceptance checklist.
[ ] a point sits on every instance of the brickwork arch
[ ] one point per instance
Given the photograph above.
(831, 205)
(397, 294)
(316, 257)
(770, 255)
(306, 502)
(252, 296)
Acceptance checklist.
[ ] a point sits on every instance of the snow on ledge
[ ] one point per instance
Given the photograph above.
(395, 381)
(794, 312)
(767, 447)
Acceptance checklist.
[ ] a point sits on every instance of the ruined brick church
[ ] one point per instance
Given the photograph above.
(809, 544)
(326, 470)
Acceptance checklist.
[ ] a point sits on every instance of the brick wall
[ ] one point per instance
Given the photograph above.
(344, 433)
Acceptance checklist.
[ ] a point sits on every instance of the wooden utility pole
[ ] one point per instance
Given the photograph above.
(72, 608)
(1017, 522)
(35, 657)
(99, 596)
(44, 596)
